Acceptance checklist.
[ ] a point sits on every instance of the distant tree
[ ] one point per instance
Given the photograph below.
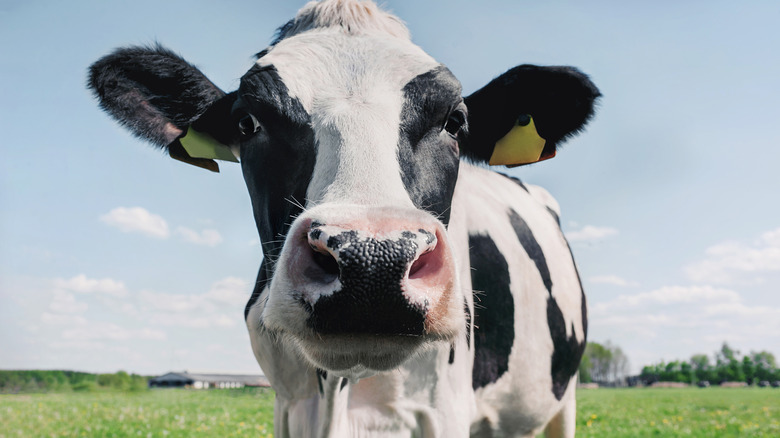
(618, 365)
(765, 366)
(599, 357)
(686, 373)
(10, 382)
(85, 386)
(729, 365)
(669, 373)
(14, 381)
(584, 370)
(137, 383)
(603, 364)
(651, 373)
(122, 380)
(749, 370)
(105, 380)
(765, 359)
(700, 365)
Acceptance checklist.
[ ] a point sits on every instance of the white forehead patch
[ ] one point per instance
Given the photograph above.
(352, 88)
(355, 16)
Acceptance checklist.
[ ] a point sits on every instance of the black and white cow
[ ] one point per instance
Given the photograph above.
(404, 291)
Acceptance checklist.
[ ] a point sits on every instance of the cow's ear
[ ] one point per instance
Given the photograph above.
(166, 101)
(523, 115)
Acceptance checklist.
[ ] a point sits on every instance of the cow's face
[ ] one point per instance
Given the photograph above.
(351, 157)
(349, 137)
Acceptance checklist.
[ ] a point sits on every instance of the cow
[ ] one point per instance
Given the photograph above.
(405, 289)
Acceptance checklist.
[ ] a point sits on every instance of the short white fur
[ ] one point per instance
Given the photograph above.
(354, 97)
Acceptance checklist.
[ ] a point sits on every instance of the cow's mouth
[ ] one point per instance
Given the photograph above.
(357, 354)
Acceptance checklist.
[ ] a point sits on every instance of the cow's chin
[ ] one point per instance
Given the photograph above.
(360, 356)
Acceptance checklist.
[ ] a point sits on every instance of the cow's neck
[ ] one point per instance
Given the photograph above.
(378, 406)
(413, 400)
(333, 406)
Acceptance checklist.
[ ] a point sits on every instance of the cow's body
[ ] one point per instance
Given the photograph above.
(516, 388)
(403, 292)
(530, 316)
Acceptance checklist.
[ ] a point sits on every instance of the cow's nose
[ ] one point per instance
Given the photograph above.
(374, 277)
(325, 266)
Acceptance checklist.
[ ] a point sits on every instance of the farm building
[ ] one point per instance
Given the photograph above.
(204, 381)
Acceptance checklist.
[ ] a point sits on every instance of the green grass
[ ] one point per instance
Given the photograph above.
(664, 412)
(672, 412)
(157, 413)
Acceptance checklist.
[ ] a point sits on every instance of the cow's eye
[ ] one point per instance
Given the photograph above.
(455, 123)
(248, 125)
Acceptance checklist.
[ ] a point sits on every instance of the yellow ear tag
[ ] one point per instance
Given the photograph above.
(522, 145)
(201, 145)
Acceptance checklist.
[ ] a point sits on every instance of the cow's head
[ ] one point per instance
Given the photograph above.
(349, 138)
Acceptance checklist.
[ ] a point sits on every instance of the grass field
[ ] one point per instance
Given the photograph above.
(157, 413)
(711, 412)
(695, 412)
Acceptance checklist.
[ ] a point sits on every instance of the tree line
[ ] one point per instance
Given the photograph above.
(16, 381)
(607, 365)
(728, 365)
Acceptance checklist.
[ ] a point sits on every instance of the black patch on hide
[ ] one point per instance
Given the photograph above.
(278, 160)
(554, 215)
(515, 180)
(567, 351)
(427, 155)
(494, 311)
(532, 248)
(262, 280)
(322, 376)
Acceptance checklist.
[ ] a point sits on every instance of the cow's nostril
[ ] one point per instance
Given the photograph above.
(325, 269)
(419, 264)
(428, 265)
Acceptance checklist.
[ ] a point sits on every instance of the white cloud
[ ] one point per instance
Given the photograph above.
(63, 319)
(772, 238)
(177, 303)
(84, 285)
(65, 302)
(699, 295)
(76, 345)
(208, 309)
(678, 321)
(137, 219)
(590, 233)
(207, 237)
(95, 331)
(729, 262)
(140, 220)
(230, 290)
(125, 308)
(613, 279)
(172, 319)
(80, 322)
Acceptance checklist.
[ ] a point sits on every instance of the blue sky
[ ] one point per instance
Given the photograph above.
(113, 256)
